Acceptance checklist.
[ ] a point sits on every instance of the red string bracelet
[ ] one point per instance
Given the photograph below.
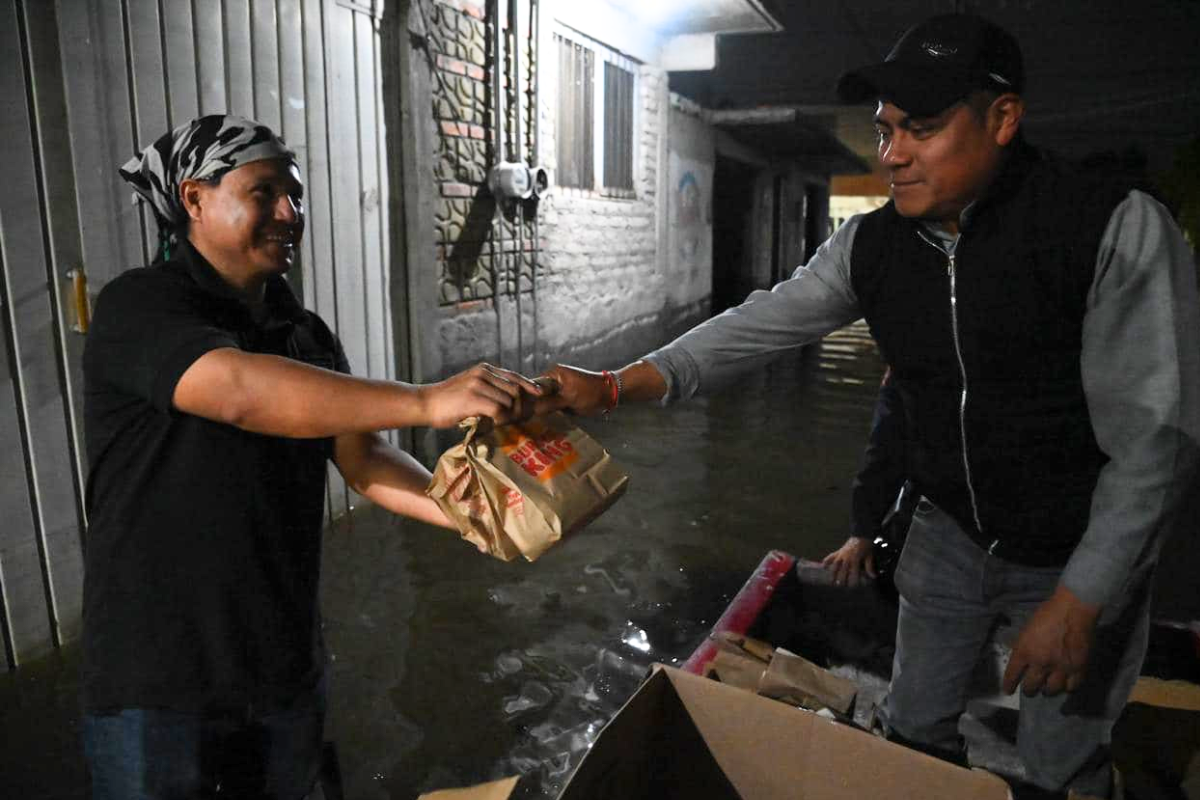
(614, 389)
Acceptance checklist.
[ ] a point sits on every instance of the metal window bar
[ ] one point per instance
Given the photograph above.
(576, 65)
(618, 127)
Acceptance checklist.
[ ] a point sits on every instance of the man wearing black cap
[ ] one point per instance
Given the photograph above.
(1043, 330)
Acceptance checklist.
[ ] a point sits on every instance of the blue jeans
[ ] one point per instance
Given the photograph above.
(952, 596)
(153, 754)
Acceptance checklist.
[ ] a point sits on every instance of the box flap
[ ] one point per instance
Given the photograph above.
(769, 750)
(496, 790)
(1167, 694)
(1156, 741)
(650, 749)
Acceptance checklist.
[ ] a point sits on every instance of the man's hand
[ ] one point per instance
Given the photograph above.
(579, 391)
(850, 561)
(587, 393)
(1052, 650)
(483, 391)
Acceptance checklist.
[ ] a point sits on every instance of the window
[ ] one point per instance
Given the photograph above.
(618, 127)
(595, 117)
(576, 66)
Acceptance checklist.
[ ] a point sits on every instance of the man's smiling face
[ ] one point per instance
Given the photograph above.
(252, 221)
(938, 165)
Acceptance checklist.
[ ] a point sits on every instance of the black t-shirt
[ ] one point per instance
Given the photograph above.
(203, 546)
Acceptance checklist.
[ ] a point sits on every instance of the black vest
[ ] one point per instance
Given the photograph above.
(1023, 266)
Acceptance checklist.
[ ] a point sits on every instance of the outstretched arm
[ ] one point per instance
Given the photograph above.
(281, 397)
(816, 300)
(586, 392)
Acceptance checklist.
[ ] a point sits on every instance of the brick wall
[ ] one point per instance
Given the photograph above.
(471, 244)
(592, 284)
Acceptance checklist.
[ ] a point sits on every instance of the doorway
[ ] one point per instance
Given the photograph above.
(733, 207)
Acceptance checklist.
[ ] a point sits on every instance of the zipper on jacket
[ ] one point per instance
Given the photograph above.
(962, 371)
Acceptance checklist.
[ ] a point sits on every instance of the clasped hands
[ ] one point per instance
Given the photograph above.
(505, 396)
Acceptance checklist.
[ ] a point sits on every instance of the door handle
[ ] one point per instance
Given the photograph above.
(81, 304)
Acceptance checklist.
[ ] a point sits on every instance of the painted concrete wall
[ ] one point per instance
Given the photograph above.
(691, 160)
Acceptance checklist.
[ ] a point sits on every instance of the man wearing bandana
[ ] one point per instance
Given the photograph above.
(1043, 332)
(213, 402)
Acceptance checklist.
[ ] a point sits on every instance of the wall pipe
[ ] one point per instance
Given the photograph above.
(497, 89)
(535, 23)
(514, 29)
(497, 157)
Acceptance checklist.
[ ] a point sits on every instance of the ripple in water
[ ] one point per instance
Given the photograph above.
(533, 695)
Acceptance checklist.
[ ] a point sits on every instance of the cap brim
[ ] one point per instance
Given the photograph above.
(916, 90)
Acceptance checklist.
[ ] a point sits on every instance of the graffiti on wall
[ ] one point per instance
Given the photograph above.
(690, 230)
(688, 216)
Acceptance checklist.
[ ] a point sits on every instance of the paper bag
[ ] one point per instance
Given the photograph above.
(798, 681)
(736, 669)
(740, 643)
(518, 489)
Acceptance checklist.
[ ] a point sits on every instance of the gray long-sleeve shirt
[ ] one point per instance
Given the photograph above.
(1140, 365)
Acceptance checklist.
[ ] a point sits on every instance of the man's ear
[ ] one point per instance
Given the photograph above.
(191, 193)
(1007, 111)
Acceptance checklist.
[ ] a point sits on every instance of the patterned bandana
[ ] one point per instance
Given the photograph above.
(203, 148)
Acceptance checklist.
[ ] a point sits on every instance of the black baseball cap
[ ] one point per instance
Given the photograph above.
(937, 63)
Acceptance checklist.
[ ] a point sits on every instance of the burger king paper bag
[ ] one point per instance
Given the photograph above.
(520, 488)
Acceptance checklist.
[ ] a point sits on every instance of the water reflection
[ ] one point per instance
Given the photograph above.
(547, 751)
(592, 569)
(636, 638)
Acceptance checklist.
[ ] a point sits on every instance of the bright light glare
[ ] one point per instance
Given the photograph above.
(652, 12)
(636, 638)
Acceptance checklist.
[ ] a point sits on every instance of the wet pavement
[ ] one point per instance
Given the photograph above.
(450, 668)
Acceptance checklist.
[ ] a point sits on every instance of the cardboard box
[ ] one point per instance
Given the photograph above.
(683, 736)
(1156, 742)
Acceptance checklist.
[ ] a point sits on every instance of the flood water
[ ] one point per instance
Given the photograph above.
(450, 668)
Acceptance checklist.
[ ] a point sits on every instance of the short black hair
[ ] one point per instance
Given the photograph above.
(211, 181)
(179, 231)
(979, 101)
